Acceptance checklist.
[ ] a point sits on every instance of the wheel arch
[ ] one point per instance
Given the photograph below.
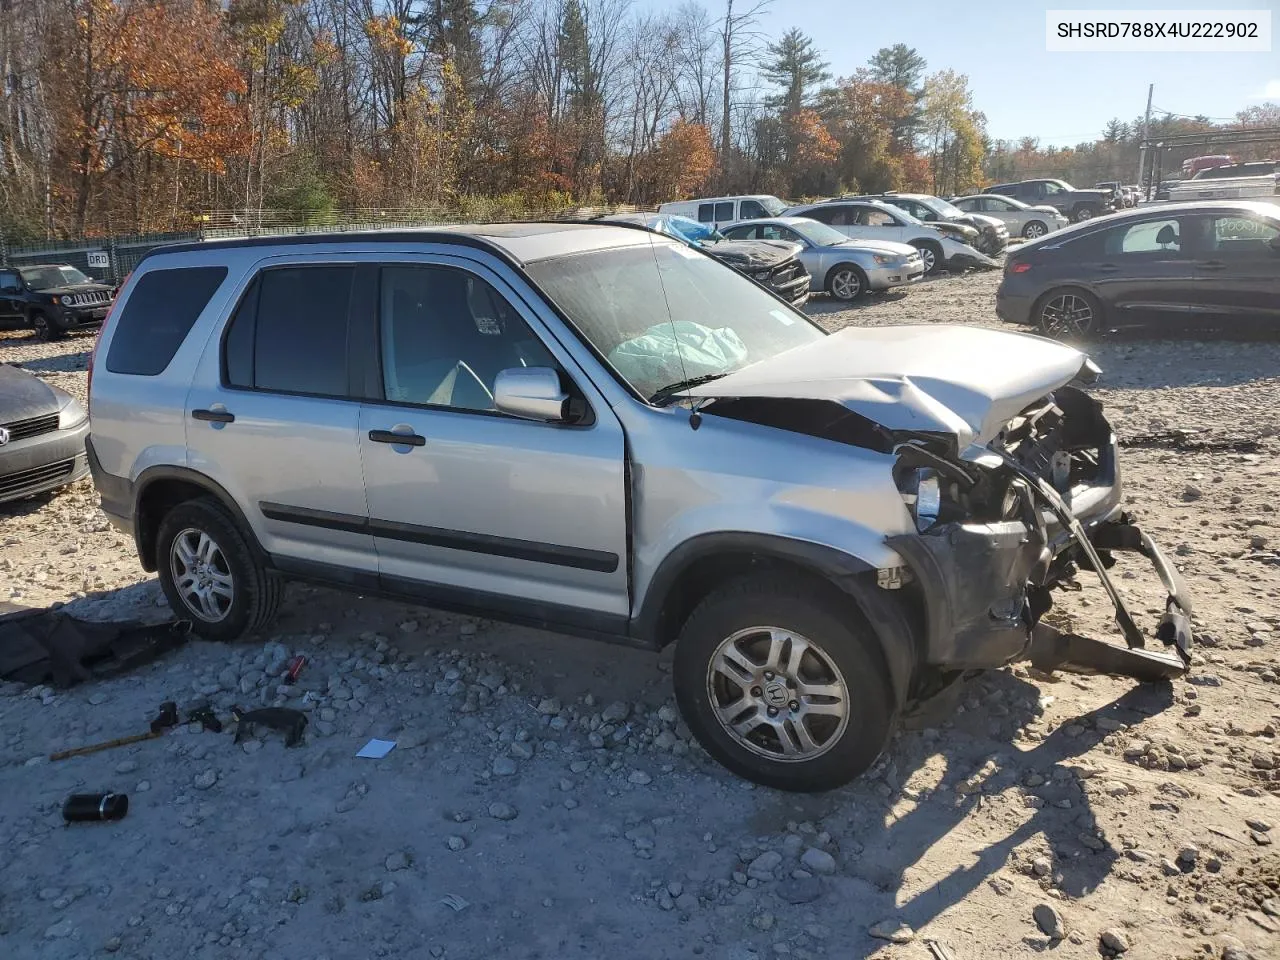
(703, 563)
(159, 489)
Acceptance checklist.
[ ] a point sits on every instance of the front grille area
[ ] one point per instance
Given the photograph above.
(31, 427)
(786, 273)
(16, 483)
(92, 299)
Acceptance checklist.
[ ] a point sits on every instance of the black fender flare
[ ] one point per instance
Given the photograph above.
(853, 576)
(159, 472)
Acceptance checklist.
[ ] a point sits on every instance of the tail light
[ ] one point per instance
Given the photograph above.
(93, 354)
(1016, 266)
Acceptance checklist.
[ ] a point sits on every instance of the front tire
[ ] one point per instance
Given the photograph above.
(1034, 230)
(781, 680)
(847, 282)
(930, 254)
(45, 328)
(210, 574)
(1087, 212)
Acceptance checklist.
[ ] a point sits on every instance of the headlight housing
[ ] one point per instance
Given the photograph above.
(881, 259)
(72, 415)
(922, 493)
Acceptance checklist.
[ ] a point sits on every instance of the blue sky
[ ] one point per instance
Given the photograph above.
(1063, 98)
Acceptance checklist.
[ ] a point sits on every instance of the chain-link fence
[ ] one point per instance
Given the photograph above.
(110, 259)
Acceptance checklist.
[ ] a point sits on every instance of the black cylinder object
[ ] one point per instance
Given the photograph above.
(81, 807)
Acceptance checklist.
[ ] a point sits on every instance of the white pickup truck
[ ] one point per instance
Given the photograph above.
(1258, 180)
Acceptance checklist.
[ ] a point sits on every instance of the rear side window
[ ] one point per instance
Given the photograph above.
(724, 211)
(706, 212)
(158, 316)
(289, 334)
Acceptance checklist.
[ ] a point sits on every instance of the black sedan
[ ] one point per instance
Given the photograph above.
(1203, 265)
(42, 431)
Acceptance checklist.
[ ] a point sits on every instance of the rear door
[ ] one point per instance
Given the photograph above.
(274, 419)
(1236, 268)
(476, 507)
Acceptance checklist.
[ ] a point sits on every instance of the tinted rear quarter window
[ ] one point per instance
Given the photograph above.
(724, 211)
(158, 316)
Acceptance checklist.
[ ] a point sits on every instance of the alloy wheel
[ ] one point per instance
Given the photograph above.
(778, 694)
(928, 258)
(846, 285)
(1034, 229)
(1083, 215)
(1067, 315)
(202, 575)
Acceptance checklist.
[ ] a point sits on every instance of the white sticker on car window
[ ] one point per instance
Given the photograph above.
(782, 317)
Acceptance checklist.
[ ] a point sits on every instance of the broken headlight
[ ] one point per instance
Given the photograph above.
(922, 493)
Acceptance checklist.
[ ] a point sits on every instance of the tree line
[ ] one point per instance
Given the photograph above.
(139, 115)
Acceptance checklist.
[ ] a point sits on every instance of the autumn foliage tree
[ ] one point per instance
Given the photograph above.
(680, 163)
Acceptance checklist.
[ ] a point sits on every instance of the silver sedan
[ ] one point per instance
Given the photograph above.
(1021, 219)
(842, 267)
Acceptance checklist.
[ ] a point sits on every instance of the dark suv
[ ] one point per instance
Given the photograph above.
(52, 298)
(1072, 203)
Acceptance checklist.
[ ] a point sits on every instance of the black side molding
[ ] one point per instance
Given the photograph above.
(581, 558)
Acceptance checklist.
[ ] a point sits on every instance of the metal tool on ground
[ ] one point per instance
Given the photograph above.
(165, 720)
(91, 807)
(206, 718)
(295, 668)
(291, 722)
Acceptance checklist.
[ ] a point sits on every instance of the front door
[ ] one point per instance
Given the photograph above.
(1237, 268)
(474, 508)
(272, 417)
(1143, 275)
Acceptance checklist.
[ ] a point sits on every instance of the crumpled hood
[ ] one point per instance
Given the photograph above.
(964, 381)
(753, 254)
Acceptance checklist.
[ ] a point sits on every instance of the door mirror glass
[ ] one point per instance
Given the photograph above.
(533, 393)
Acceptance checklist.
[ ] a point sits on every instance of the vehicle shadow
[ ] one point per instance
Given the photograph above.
(71, 362)
(821, 304)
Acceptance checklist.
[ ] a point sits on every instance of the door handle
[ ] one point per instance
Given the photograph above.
(214, 416)
(1107, 268)
(390, 436)
(1211, 265)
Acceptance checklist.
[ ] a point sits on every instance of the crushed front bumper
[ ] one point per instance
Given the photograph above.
(986, 586)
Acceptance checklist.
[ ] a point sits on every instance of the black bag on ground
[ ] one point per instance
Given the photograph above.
(47, 646)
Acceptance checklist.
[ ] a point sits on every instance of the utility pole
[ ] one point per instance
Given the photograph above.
(1142, 149)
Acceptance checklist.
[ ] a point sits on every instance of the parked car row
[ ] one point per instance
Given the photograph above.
(52, 299)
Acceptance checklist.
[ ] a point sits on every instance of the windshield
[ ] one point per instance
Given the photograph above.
(45, 278)
(663, 314)
(773, 205)
(693, 231)
(819, 234)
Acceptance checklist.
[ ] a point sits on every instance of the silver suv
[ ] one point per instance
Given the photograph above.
(598, 430)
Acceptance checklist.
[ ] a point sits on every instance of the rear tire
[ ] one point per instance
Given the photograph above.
(1034, 230)
(932, 255)
(847, 282)
(1068, 313)
(45, 328)
(833, 706)
(211, 575)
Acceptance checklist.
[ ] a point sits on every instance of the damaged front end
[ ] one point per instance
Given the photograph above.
(1000, 527)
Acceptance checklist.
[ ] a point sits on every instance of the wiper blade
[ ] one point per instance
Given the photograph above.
(665, 393)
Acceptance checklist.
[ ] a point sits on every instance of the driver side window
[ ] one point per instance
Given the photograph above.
(772, 231)
(445, 336)
(9, 280)
(750, 210)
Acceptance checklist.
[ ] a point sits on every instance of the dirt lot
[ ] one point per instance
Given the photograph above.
(547, 783)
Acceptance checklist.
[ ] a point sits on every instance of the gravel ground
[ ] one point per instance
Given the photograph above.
(544, 800)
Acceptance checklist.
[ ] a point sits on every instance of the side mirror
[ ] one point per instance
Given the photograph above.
(533, 393)
(1275, 243)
